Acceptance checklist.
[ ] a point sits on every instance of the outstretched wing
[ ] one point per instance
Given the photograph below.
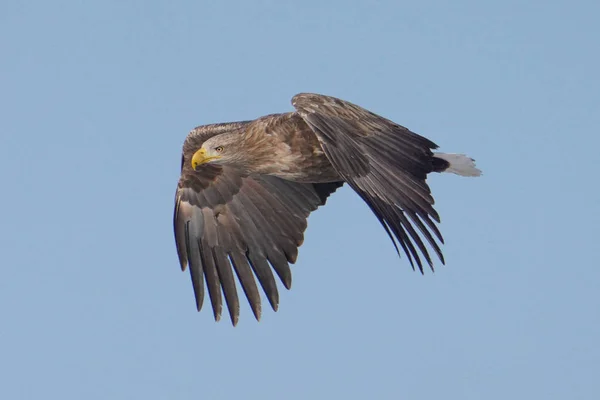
(226, 219)
(385, 163)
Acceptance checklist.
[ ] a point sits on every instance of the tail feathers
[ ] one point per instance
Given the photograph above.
(459, 164)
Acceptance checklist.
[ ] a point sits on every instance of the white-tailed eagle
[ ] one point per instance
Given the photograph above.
(246, 190)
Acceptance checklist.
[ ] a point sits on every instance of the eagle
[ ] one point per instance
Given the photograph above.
(247, 188)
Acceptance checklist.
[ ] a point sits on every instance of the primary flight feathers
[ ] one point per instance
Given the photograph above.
(246, 190)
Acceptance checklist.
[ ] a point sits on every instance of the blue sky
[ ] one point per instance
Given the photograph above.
(96, 99)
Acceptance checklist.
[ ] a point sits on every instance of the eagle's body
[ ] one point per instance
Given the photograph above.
(246, 189)
(284, 146)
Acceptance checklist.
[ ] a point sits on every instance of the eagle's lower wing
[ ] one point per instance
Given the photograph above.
(385, 163)
(224, 219)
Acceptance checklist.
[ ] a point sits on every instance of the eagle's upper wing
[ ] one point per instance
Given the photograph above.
(385, 163)
(224, 218)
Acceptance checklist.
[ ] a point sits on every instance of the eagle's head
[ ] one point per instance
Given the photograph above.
(226, 148)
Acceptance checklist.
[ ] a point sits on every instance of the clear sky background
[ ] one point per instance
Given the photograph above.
(96, 99)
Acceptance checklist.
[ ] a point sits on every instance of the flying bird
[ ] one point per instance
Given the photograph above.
(247, 188)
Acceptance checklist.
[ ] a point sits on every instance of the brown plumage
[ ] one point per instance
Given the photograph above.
(247, 188)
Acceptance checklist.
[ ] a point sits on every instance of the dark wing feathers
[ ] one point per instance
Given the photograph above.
(385, 163)
(226, 221)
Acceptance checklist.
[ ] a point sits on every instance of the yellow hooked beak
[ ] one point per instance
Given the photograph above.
(200, 158)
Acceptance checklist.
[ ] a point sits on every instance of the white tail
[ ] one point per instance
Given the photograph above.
(460, 164)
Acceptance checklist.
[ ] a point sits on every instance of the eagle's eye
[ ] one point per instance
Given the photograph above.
(219, 149)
